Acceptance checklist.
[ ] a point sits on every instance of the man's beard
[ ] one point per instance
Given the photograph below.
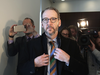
(50, 34)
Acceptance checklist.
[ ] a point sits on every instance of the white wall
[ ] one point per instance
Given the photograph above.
(78, 6)
(13, 12)
(45, 4)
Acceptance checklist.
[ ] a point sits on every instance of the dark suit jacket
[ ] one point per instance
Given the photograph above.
(20, 47)
(39, 46)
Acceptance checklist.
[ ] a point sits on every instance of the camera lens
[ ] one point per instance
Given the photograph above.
(84, 39)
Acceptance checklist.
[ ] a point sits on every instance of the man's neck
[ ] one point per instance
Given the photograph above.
(52, 36)
(29, 35)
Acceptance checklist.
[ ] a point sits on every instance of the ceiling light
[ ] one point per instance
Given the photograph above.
(62, 0)
(83, 23)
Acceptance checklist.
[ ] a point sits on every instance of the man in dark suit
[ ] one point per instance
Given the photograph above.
(66, 52)
(20, 45)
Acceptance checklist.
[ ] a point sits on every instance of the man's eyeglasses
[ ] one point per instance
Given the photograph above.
(46, 20)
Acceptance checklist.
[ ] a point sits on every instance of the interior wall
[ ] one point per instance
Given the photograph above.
(14, 12)
(78, 6)
(45, 4)
(72, 19)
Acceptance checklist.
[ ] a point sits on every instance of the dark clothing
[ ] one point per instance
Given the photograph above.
(20, 47)
(39, 46)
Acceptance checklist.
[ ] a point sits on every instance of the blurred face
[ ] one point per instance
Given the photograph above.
(99, 33)
(98, 41)
(65, 33)
(50, 22)
(73, 32)
(28, 24)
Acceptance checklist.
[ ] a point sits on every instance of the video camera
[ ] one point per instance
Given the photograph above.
(84, 36)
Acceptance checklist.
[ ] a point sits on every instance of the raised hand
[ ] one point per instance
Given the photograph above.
(11, 30)
(42, 60)
(29, 28)
(61, 55)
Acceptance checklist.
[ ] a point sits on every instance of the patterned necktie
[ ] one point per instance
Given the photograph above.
(53, 70)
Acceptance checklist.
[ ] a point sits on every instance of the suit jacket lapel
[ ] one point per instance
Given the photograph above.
(44, 43)
(59, 63)
(44, 47)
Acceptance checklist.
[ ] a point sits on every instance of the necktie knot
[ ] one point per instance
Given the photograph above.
(52, 42)
(29, 39)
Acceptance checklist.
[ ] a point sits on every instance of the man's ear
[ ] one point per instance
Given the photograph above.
(33, 26)
(59, 22)
(42, 24)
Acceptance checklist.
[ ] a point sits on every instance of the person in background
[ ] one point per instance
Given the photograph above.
(53, 54)
(74, 31)
(97, 43)
(20, 44)
(66, 33)
(92, 56)
(99, 33)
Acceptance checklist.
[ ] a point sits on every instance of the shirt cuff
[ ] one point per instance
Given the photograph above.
(67, 64)
(36, 36)
(10, 41)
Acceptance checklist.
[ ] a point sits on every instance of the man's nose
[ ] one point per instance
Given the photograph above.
(49, 22)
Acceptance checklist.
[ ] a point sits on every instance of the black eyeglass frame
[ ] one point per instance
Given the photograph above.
(46, 20)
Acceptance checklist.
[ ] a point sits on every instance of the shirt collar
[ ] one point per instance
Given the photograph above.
(30, 37)
(55, 40)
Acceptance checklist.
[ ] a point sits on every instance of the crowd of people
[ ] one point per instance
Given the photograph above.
(54, 52)
(90, 52)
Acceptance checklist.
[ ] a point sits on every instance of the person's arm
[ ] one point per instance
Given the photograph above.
(13, 47)
(95, 51)
(96, 54)
(10, 44)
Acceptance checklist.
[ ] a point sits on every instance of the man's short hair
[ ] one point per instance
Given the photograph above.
(30, 19)
(51, 8)
(73, 27)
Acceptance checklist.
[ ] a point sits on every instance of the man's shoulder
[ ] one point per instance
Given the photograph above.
(21, 38)
(67, 39)
(36, 39)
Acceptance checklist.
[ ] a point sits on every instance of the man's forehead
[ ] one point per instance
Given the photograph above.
(49, 13)
(27, 20)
